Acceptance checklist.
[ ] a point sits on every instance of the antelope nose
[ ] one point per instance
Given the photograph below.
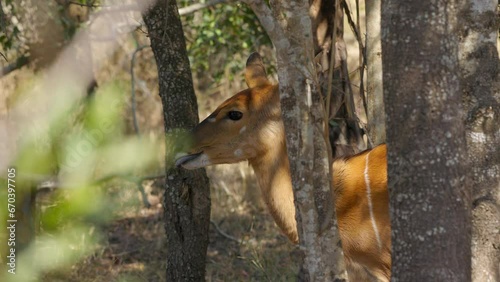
(182, 158)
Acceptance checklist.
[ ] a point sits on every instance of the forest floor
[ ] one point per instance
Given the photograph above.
(244, 242)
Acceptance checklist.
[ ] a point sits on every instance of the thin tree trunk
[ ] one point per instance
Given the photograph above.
(429, 194)
(480, 69)
(187, 195)
(304, 118)
(374, 90)
(308, 149)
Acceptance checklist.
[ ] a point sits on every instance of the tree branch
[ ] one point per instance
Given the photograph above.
(351, 22)
(196, 7)
(19, 63)
(134, 7)
(224, 234)
(132, 79)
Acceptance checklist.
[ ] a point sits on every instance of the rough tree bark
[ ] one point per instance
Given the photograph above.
(374, 90)
(187, 194)
(429, 193)
(480, 70)
(288, 24)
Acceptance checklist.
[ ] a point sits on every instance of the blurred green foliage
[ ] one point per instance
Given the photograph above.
(215, 34)
(9, 31)
(82, 147)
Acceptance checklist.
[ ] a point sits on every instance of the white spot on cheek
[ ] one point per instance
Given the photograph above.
(238, 153)
(243, 129)
(211, 120)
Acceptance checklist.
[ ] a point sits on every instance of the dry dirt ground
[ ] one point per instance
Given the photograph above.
(245, 244)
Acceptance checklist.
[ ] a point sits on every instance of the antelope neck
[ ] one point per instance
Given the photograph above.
(273, 174)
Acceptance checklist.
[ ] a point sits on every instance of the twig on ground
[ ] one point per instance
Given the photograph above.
(224, 234)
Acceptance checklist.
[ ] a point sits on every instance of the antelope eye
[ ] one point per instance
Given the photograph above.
(234, 115)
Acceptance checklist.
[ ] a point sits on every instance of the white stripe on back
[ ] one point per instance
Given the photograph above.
(370, 205)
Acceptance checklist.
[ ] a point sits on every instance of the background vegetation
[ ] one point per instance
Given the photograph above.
(92, 223)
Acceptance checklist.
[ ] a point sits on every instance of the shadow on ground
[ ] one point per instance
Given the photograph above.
(134, 245)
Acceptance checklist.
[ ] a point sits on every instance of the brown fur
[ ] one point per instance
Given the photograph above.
(259, 137)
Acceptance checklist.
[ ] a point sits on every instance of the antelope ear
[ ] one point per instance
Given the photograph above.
(255, 73)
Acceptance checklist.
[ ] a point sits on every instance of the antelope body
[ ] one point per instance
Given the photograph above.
(248, 126)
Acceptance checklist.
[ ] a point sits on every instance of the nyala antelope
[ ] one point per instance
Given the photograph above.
(248, 126)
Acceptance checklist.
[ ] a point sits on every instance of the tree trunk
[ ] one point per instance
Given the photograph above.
(428, 187)
(374, 90)
(308, 149)
(480, 70)
(187, 195)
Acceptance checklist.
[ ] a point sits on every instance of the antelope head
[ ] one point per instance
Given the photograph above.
(244, 127)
